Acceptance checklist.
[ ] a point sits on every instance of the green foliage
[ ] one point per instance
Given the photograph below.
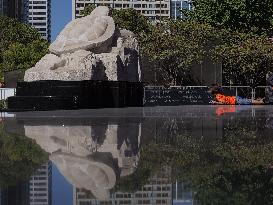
(238, 15)
(129, 19)
(175, 46)
(88, 9)
(172, 48)
(135, 181)
(13, 31)
(20, 56)
(21, 46)
(236, 169)
(246, 58)
(3, 104)
(19, 158)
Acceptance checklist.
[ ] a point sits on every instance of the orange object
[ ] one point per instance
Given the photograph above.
(225, 109)
(228, 100)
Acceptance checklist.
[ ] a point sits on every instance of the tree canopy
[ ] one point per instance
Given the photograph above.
(175, 46)
(246, 58)
(231, 32)
(129, 19)
(21, 46)
(238, 15)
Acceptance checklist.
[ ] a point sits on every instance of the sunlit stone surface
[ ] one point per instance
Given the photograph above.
(90, 48)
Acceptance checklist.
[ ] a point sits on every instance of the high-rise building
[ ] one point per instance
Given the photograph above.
(154, 10)
(177, 6)
(158, 190)
(12, 8)
(17, 194)
(38, 15)
(40, 186)
(181, 195)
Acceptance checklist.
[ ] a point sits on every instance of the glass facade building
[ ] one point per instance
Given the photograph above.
(177, 6)
(3, 7)
(12, 8)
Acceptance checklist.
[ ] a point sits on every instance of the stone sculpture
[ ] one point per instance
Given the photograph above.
(90, 48)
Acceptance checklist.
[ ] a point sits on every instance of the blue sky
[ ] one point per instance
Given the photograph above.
(62, 191)
(61, 14)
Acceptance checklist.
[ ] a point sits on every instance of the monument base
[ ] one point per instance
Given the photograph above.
(70, 95)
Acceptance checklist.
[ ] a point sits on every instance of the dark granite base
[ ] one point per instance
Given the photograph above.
(70, 95)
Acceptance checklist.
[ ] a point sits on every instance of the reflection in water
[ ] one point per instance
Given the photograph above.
(40, 185)
(188, 154)
(90, 154)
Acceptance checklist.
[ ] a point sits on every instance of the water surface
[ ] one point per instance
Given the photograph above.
(159, 155)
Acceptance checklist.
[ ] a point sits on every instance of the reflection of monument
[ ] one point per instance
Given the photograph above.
(91, 153)
(91, 64)
(85, 159)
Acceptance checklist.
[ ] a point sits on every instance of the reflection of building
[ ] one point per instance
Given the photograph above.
(36, 191)
(39, 16)
(100, 152)
(40, 186)
(177, 6)
(181, 196)
(15, 195)
(158, 190)
(154, 10)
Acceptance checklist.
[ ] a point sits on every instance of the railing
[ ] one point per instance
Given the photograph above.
(242, 91)
(7, 92)
(260, 91)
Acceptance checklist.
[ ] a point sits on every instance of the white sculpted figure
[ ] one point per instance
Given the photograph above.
(90, 48)
(85, 33)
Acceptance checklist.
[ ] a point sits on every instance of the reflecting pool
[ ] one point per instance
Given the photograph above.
(186, 155)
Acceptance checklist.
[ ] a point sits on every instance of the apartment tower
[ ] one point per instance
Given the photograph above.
(39, 16)
(153, 9)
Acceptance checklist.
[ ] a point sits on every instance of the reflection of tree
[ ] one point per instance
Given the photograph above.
(136, 180)
(234, 169)
(19, 157)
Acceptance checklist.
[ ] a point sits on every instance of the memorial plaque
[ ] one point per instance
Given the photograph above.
(160, 96)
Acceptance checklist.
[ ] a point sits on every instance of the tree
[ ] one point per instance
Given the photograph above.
(238, 15)
(88, 9)
(246, 58)
(175, 46)
(20, 56)
(129, 19)
(15, 35)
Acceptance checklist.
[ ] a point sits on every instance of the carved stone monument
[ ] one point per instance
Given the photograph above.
(91, 64)
(90, 48)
